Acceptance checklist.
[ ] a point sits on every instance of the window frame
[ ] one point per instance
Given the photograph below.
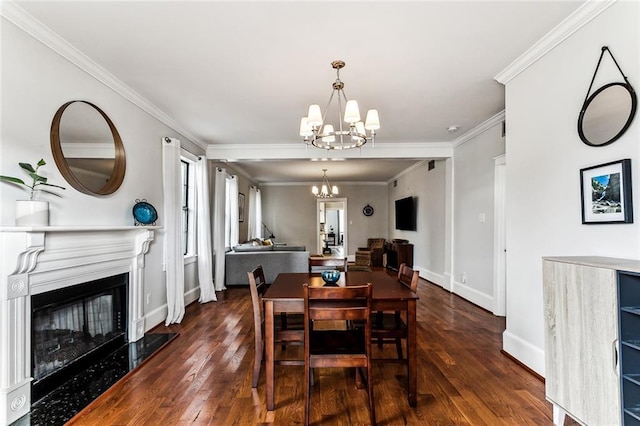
(187, 179)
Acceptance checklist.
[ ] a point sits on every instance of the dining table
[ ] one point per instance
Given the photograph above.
(286, 295)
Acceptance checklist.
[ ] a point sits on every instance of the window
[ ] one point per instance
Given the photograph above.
(188, 206)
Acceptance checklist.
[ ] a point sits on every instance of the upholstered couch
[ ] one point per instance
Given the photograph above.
(274, 259)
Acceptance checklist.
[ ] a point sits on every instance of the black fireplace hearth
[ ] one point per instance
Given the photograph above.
(73, 327)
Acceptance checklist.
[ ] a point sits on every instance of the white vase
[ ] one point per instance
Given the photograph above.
(32, 213)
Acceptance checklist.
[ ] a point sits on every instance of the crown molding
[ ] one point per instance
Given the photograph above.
(27, 23)
(378, 183)
(407, 171)
(580, 17)
(479, 129)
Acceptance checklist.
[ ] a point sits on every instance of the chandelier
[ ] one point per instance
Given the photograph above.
(326, 190)
(353, 136)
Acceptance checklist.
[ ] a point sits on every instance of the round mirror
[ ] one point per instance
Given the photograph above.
(607, 114)
(87, 148)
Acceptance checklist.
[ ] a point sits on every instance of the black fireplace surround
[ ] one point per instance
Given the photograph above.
(74, 326)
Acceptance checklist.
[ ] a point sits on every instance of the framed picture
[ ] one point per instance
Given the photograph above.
(606, 193)
(240, 207)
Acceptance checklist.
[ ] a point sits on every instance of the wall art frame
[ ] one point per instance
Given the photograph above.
(240, 207)
(606, 193)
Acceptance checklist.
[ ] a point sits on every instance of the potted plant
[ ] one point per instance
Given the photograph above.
(32, 212)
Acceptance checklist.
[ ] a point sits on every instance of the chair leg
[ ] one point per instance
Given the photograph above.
(399, 347)
(307, 392)
(358, 378)
(372, 406)
(257, 364)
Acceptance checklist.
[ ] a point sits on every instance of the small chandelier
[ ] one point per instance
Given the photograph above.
(326, 190)
(343, 138)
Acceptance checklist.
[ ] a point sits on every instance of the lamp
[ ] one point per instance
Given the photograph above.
(325, 190)
(343, 138)
(271, 236)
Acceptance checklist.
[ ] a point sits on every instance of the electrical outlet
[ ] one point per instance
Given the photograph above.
(464, 277)
(148, 298)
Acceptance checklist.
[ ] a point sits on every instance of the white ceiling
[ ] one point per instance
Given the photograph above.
(238, 72)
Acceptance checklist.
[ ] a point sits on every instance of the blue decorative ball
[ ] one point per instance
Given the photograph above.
(330, 277)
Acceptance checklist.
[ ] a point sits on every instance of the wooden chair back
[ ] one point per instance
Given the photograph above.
(408, 277)
(337, 347)
(257, 287)
(287, 330)
(319, 263)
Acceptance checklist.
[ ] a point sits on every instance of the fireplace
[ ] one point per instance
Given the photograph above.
(40, 265)
(73, 326)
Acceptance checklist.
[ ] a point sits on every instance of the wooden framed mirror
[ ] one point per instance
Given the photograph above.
(87, 148)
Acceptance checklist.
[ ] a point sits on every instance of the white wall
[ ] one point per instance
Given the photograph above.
(35, 82)
(544, 158)
(473, 182)
(290, 212)
(428, 188)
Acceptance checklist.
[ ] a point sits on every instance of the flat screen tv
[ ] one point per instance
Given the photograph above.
(406, 214)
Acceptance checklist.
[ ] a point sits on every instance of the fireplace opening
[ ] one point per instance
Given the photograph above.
(72, 327)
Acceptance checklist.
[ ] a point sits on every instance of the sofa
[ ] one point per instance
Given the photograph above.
(273, 258)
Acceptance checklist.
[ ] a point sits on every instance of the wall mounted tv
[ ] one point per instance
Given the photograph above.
(406, 214)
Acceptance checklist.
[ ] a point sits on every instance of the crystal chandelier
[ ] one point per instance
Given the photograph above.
(326, 190)
(353, 136)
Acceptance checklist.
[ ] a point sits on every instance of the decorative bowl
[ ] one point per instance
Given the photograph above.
(330, 277)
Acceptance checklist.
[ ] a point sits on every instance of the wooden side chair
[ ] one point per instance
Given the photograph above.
(349, 347)
(288, 328)
(320, 263)
(390, 327)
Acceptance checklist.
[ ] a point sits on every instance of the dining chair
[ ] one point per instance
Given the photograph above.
(288, 329)
(390, 327)
(318, 264)
(330, 347)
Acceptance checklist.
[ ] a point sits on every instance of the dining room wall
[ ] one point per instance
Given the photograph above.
(35, 82)
(544, 158)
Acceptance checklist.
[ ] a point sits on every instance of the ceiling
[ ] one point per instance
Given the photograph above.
(238, 72)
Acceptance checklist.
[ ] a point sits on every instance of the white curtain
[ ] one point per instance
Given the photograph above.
(173, 252)
(255, 213)
(203, 222)
(232, 217)
(219, 249)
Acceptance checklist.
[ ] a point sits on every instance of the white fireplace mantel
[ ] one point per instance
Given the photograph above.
(36, 260)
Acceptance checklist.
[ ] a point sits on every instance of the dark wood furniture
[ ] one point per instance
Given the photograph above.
(331, 347)
(286, 295)
(288, 329)
(320, 263)
(390, 327)
(398, 253)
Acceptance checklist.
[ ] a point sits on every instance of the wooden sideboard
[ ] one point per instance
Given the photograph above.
(397, 254)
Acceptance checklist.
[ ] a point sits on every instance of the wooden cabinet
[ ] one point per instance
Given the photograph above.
(398, 253)
(629, 296)
(592, 339)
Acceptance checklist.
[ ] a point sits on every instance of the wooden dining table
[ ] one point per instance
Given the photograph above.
(286, 295)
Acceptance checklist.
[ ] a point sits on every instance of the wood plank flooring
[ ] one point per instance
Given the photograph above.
(204, 376)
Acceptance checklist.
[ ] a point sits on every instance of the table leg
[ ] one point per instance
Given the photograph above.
(411, 352)
(269, 353)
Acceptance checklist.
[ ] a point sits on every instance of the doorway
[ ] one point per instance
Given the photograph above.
(332, 226)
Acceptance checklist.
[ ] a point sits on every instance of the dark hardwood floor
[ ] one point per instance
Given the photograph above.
(203, 377)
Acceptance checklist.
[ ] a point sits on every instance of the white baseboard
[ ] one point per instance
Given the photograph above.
(159, 315)
(191, 296)
(524, 351)
(474, 296)
(433, 277)
(155, 317)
